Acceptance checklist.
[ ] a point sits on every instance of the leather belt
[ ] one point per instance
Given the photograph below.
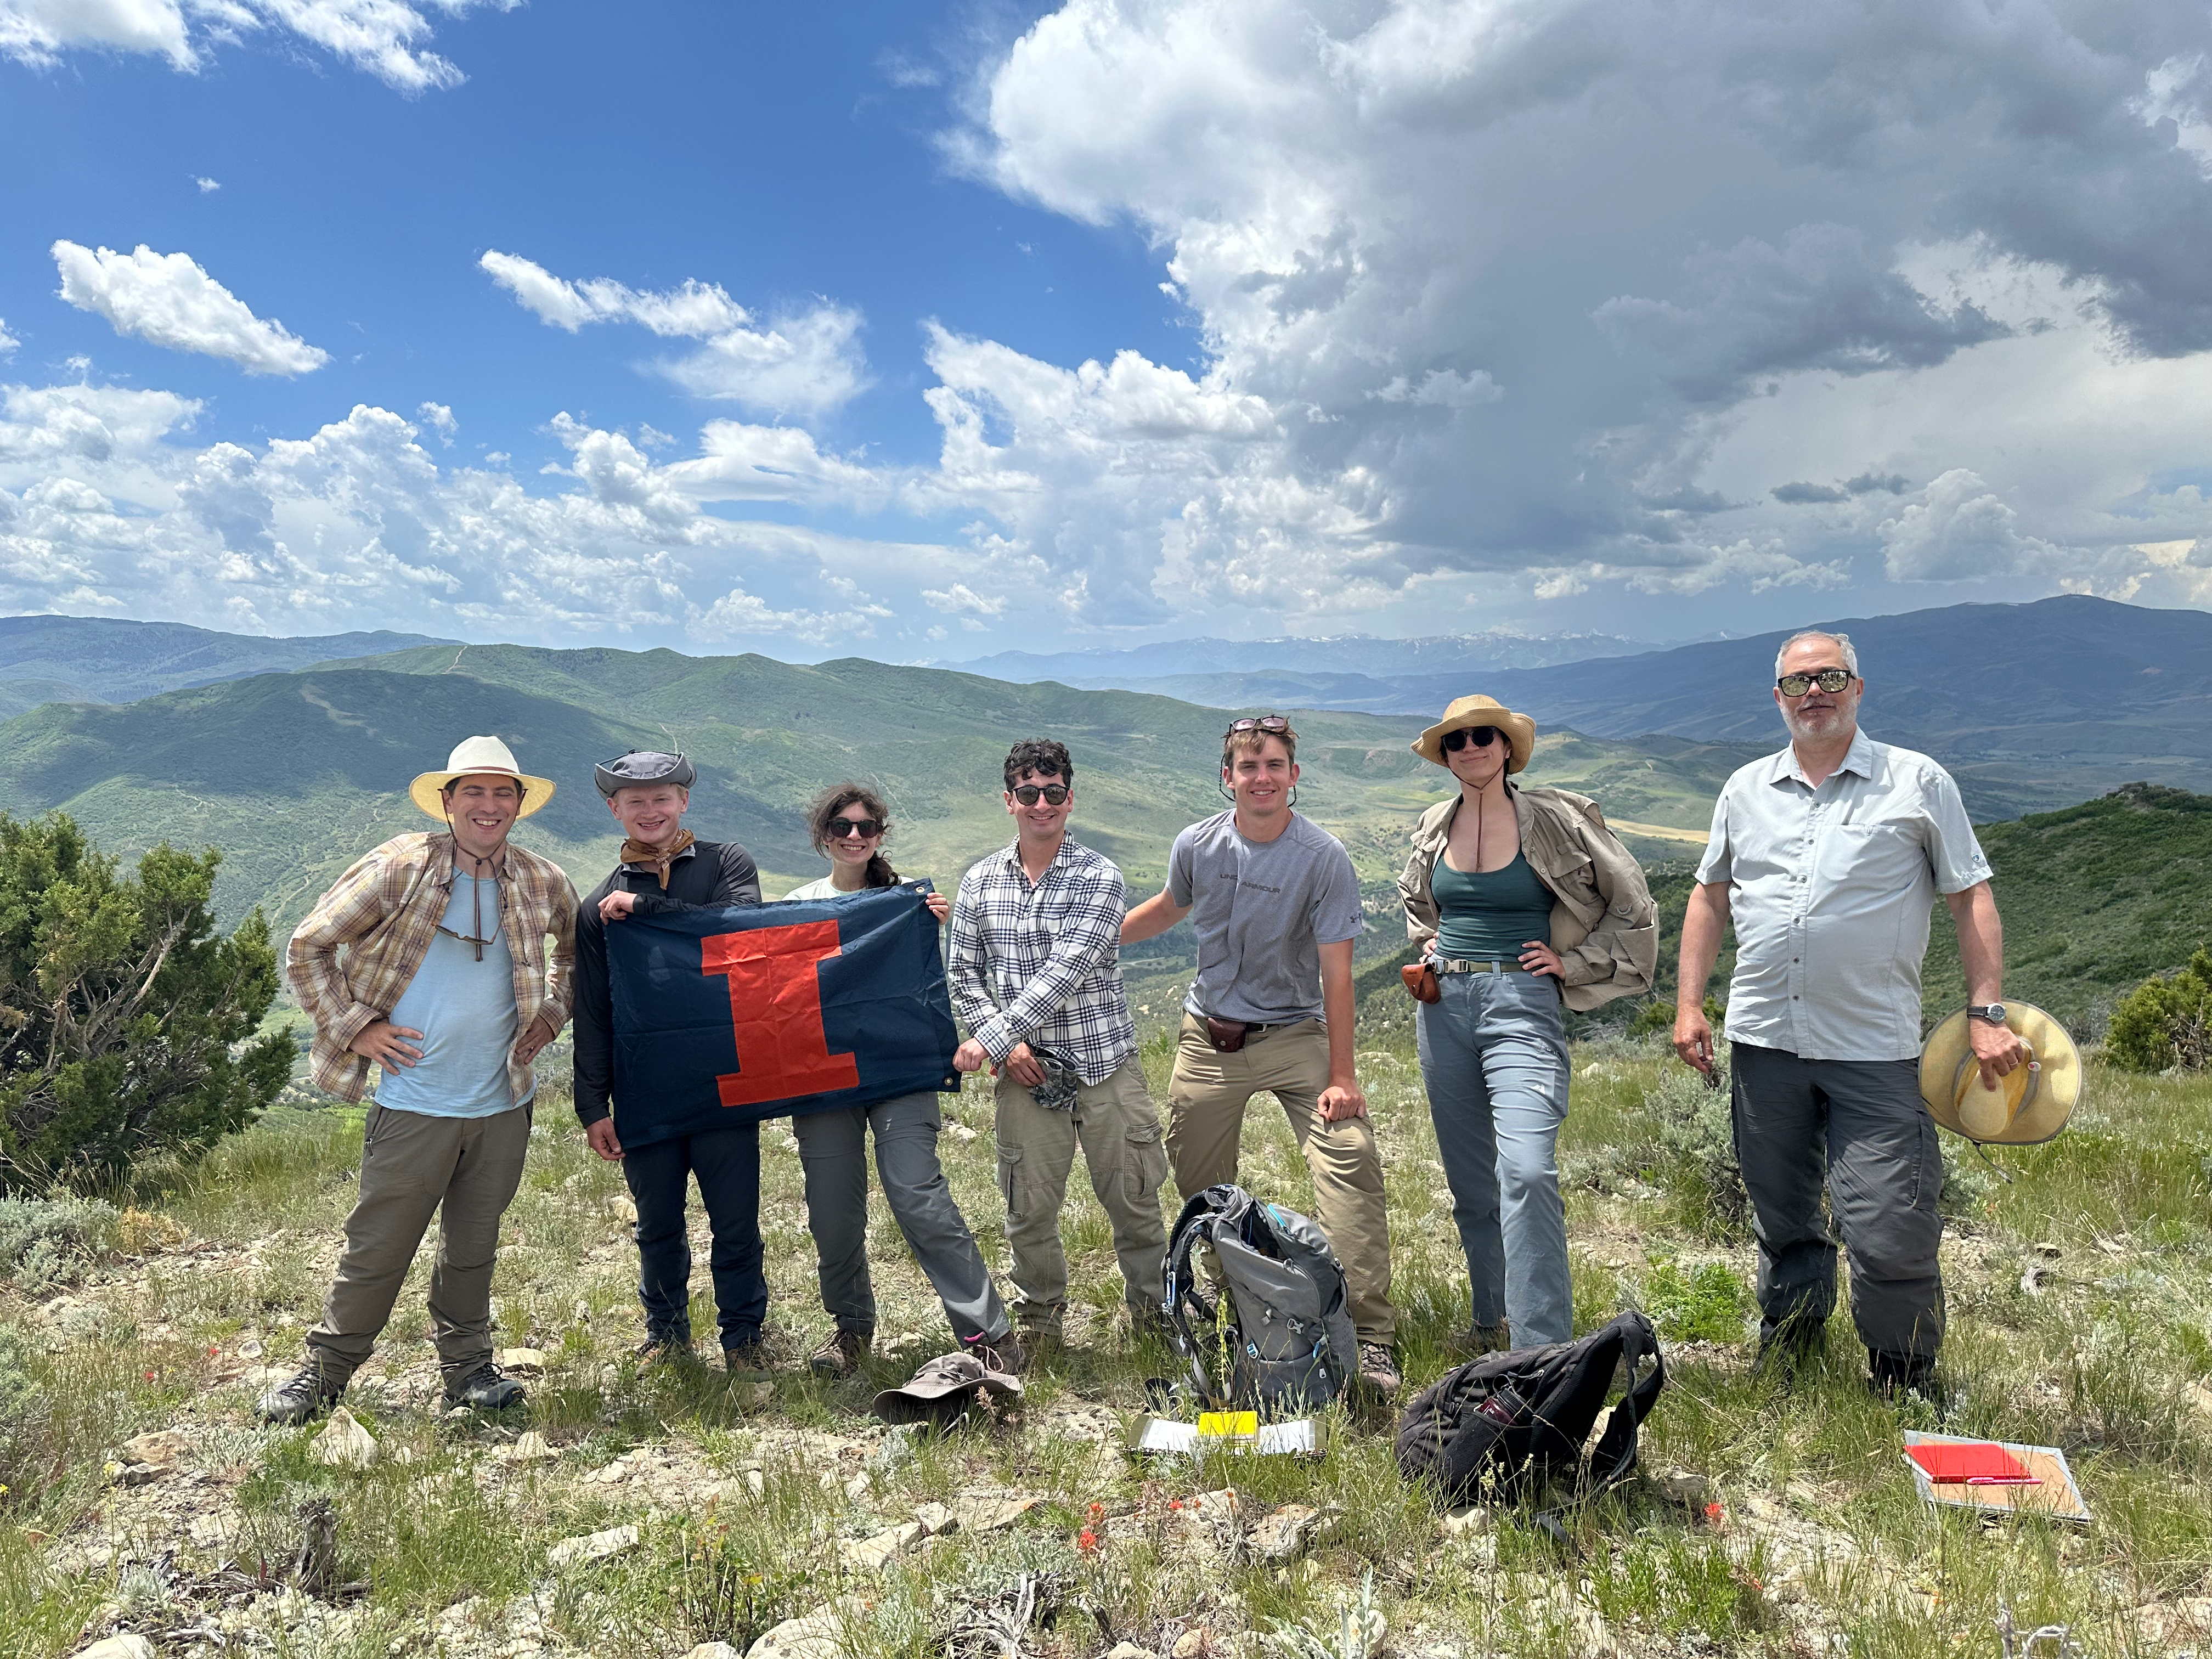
(1455, 965)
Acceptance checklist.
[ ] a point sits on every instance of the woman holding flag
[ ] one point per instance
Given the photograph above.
(848, 824)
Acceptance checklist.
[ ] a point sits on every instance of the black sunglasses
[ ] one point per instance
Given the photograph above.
(1480, 736)
(1828, 679)
(1275, 723)
(841, 828)
(1054, 793)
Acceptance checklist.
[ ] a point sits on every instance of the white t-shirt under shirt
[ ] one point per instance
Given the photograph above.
(1262, 910)
(826, 887)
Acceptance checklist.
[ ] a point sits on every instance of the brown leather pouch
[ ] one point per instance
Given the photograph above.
(1227, 1035)
(1421, 983)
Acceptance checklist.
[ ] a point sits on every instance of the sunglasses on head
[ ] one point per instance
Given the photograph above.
(1054, 793)
(864, 827)
(1480, 736)
(1828, 679)
(1274, 723)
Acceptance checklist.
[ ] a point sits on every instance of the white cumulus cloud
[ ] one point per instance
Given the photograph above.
(387, 37)
(168, 300)
(807, 362)
(8, 342)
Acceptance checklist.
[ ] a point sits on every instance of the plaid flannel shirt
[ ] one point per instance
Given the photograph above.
(1042, 965)
(383, 913)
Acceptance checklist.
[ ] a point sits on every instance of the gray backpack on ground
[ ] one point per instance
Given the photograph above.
(1279, 1341)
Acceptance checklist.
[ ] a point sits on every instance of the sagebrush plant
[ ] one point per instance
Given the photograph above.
(128, 1021)
(2165, 1024)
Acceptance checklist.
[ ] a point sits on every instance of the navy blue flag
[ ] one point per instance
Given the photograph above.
(731, 1015)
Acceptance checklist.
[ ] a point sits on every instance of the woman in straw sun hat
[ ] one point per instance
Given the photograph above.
(1522, 900)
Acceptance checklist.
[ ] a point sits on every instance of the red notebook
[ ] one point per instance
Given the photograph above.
(1973, 1463)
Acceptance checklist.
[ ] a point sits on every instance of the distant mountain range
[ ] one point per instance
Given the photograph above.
(1143, 667)
(294, 774)
(106, 659)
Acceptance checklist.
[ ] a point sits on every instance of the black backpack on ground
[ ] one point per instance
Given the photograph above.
(1507, 1422)
(1282, 1316)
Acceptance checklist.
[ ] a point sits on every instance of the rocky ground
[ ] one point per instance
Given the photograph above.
(661, 1512)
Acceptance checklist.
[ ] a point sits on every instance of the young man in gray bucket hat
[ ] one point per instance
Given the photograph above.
(665, 868)
(429, 959)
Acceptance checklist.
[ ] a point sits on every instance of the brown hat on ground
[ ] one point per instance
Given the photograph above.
(1520, 731)
(943, 1390)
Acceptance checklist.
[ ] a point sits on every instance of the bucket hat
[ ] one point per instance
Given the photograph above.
(642, 766)
(1520, 731)
(472, 757)
(2029, 1106)
(943, 1390)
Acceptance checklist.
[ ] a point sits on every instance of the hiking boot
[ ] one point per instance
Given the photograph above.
(1148, 1323)
(1901, 1378)
(300, 1399)
(663, 1351)
(1007, 1354)
(1041, 1336)
(484, 1390)
(841, 1354)
(1478, 1340)
(1378, 1371)
(743, 1351)
(1791, 1350)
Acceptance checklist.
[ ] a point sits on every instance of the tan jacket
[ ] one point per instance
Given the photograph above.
(1604, 923)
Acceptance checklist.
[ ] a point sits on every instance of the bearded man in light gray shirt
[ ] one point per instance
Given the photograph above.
(1828, 857)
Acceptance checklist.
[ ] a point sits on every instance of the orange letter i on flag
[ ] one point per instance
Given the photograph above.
(775, 1013)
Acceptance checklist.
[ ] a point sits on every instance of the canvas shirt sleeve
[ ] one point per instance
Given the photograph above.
(355, 952)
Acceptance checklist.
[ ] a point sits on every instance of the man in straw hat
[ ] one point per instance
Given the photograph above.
(428, 958)
(665, 868)
(1275, 902)
(1827, 857)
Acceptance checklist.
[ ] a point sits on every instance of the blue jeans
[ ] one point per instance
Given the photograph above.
(1494, 1058)
(727, 1164)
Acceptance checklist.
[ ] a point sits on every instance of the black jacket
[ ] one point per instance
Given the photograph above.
(711, 874)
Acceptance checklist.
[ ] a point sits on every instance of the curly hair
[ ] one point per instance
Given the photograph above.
(1041, 755)
(835, 799)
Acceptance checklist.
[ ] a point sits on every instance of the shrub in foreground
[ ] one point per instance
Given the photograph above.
(127, 1021)
(2165, 1024)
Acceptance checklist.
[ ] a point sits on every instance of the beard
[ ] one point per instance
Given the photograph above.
(1825, 722)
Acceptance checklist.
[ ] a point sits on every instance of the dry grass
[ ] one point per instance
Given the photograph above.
(745, 1498)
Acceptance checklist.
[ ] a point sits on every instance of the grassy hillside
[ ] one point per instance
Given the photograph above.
(106, 659)
(2095, 899)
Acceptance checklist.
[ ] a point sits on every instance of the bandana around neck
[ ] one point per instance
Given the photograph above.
(638, 853)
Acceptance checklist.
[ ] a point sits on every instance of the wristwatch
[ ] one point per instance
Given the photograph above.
(1994, 1012)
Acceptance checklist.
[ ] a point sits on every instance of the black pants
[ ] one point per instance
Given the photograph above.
(1862, 1126)
(727, 1164)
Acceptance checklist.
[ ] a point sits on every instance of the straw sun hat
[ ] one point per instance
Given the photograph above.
(2028, 1107)
(474, 757)
(1520, 731)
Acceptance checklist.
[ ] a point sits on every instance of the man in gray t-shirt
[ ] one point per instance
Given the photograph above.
(1275, 903)
(1262, 910)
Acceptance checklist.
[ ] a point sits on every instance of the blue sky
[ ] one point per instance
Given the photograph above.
(1090, 324)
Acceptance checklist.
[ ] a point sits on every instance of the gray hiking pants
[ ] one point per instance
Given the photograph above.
(833, 1149)
(462, 1170)
(1861, 1125)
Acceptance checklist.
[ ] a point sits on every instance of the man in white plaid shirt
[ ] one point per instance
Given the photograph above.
(1037, 974)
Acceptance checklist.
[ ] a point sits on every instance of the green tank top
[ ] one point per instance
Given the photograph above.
(1490, 917)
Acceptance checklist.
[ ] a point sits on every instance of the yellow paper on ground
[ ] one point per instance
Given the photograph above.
(1224, 1424)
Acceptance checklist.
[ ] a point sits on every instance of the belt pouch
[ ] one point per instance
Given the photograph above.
(1227, 1035)
(1421, 983)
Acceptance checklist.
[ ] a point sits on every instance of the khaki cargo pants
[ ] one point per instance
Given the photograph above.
(463, 1169)
(1118, 1130)
(1206, 1121)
